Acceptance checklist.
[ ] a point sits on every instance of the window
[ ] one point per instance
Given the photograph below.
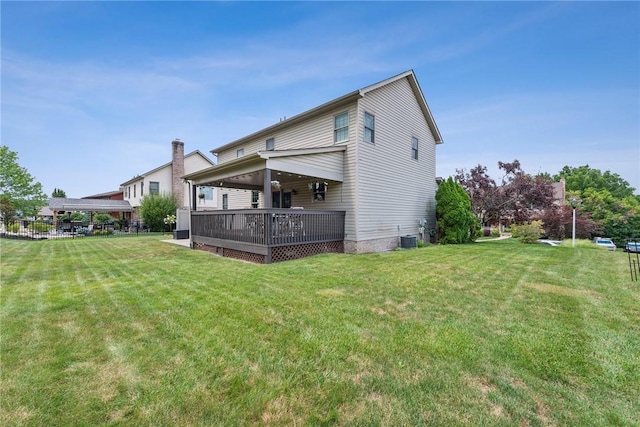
(240, 152)
(369, 126)
(205, 193)
(225, 201)
(341, 127)
(134, 190)
(414, 148)
(286, 200)
(142, 189)
(154, 187)
(271, 144)
(255, 194)
(275, 199)
(128, 192)
(319, 189)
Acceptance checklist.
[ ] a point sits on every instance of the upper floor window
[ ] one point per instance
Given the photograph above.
(142, 189)
(414, 148)
(134, 190)
(154, 187)
(240, 152)
(128, 192)
(255, 194)
(225, 201)
(369, 127)
(341, 127)
(271, 144)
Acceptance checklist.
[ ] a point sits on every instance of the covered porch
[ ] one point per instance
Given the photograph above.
(292, 219)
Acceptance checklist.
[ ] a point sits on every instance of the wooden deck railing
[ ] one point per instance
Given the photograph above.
(269, 227)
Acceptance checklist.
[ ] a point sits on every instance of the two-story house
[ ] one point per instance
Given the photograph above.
(354, 175)
(167, 179)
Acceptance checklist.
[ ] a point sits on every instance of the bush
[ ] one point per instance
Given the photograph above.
(155, 208)
(40, 227)
(456, 221)
(13, 228)
(495, 232)
(527, 233)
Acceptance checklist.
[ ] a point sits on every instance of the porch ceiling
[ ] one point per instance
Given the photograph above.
(287, 166)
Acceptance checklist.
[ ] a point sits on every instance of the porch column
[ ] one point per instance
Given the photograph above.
(267, 189)
(194, 197)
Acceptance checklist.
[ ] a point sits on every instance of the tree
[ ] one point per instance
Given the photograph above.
(155, 208)
(518, 197)
(558, 223)
(456, 222)
(7, 211)
(524, 195)
(18, 186)
(583, 177)
(58, 193)
(607, 197)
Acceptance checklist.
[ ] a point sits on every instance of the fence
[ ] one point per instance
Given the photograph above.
(66, 229)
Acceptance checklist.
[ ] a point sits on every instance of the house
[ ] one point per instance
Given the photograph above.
(360, 170)
(112, 195)
(58, 206)
(167, 179)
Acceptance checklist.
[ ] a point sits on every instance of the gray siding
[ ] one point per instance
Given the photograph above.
(394, 190)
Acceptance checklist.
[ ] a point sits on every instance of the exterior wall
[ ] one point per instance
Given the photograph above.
(385, 192)
(238, 199)
(134, 201)
(194, 163)
(394, 190)
(163, 176)
(316, 132)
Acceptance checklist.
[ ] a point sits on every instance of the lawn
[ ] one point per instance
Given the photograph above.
(135, 331)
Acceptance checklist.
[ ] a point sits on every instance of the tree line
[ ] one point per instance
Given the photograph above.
(604, 202)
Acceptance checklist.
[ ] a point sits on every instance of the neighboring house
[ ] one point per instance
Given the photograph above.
(167, 179)
(112, 195)
(361, 167)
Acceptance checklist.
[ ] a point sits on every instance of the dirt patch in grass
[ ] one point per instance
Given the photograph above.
(331, 292)
(281, 411)
(19, 416)
(561, 290)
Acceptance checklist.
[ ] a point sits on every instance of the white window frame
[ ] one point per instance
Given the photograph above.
(240, 152)
(340, 129)
(372, 129)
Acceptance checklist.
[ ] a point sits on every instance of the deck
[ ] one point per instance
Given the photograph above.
(268, 235)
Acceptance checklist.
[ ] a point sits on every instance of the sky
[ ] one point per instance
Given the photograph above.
(93, 93)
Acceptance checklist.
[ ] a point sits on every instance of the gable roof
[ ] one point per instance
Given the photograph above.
(338, 102)
(139, 177)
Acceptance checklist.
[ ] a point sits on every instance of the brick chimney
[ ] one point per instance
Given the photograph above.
(177, 171)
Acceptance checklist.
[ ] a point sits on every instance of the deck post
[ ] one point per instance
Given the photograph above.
(267, 189)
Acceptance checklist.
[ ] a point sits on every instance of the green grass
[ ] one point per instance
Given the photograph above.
(139, 332)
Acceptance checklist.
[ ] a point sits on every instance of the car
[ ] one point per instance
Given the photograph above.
(632, 247)
(605, 243)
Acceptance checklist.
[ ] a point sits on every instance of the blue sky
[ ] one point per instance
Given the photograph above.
(93, 93)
